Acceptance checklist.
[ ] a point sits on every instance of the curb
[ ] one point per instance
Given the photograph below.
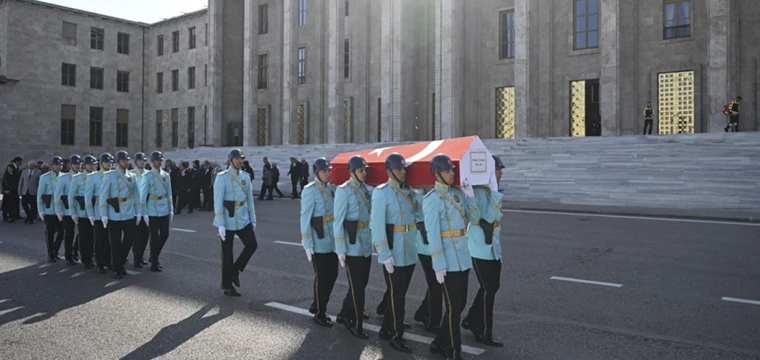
(656, 214)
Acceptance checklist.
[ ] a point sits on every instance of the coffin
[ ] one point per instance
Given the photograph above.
(471, 158)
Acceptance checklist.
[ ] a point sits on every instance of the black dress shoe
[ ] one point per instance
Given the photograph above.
(101, 270)
(144, 263)
(401, 345)
(52, 259)
(138, 265)
(490, 341)
(231, 292)
(433, 329)
(312, 309)
(236, 278)
(71, 262)
(342, 321)
(380, 309)
(323, 321)
(407, 325)
(123, 272)
(466, 324)
(365, 316)
(155, 268)
(88, 266)
(358, 332)
(435, 349)
(386, 335)
(117, 275)
(420, 319)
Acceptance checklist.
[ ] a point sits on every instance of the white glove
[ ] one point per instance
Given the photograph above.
(42, 216)
(389, 263)
(439, 275)
(467, 189)
(60, 216)
(75, 218)
(92, 220)
(342, 259)
(309, 254)
(104, 220)
(137, 219)
(223, 233)
(147, 221)
(254, 226)
(493, 184)
(171, 216)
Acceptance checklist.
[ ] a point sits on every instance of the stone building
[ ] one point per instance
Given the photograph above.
(265, 72)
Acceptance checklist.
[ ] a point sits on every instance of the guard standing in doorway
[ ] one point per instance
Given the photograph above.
(317, 237)
(46, 208)
(143, 229)
(92, 204)
(447, 211)
(648, 118)
(485, 247)
(65, 209)
(234, 214)
(394, 235)
(353, 243)
(156, 190)
(77, 191)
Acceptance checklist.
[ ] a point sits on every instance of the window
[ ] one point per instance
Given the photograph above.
(122, 81)
(70, 34)
(159, 128)
(96, 78)
(175, 41)
(122, 127)
(586, 24)
(68, 74)
(96, 126)
(122, 43)
(263, 65)
(205, 75)
(346, 7)
(347, 58)
(263, 19)
(96, 38)
(191, 127)
(68, 116)
(301, 12)
(507, 34)
(301, 65)
(206, 36)
(191, 38)
(191, 77)
(160, 83)
(175, 127)
(677, 19)
(160, 45)
(175, 80)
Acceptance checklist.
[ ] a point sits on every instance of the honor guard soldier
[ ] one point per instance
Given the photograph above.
(64, 208)
(353, 243)
(317, 237)
(119, 208)
(485, 248)
(45, 195)
(156, 190)
(234, 213)
(92, 204)
(78, 209)
(431, 309)
(447, 211)
(143, 229)
(394, 236)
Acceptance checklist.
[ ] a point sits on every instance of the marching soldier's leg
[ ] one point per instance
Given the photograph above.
(68, 229)
(49, 236)
(393, 322)
(114, 231)
(430, 311)
(455, 296)
(159, 232)
(86, 242)
(228, 266)
(102, 248)
(58, 236)
(480, 318)
(130, 232)
(325, 274)
(140, 243)
(357, 267)
(250, 244)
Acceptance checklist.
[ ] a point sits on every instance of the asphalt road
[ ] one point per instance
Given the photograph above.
(659, 294)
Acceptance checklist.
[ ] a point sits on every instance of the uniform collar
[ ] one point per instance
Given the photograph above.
(441, 186)
(393, 182)
(235, 171)
(120, 170)
(156, 170)
(139, 171)
(319, 182)
(355, 182)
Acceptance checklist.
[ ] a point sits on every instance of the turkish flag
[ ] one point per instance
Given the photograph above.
(472, 159)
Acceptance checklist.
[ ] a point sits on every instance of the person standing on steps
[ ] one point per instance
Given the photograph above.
(485, 247)
(447, 210)
(733, 115)
(234, 214)
(77, 191)
(317, 237)
(648, 118)
(156, 192)
(143, 230)
(64, 208)
(91, 202)
(46, 208)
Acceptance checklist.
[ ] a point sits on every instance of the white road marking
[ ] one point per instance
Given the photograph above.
(585, 281)
(743, 301)
(418, 338)
(299, 244)
(671, 219)
(183, 230)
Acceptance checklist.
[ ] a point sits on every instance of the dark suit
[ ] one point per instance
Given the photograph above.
(184, 188)
(295, 177)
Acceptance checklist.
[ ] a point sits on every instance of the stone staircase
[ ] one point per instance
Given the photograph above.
(702, 171)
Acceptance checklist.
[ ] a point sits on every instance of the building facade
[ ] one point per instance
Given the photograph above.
(264, 72)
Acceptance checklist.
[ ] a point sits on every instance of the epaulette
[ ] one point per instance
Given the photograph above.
(309, 185)
(381, 186)
(344, 184)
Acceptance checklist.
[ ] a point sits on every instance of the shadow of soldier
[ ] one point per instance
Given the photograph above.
(174, 335)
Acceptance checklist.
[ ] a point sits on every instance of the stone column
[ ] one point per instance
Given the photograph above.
(391, 70)
(718, 89)
(288, 131)
(609, 42)
(250, 130)
(522, 67)
(214, 126)
(335, 83)
(450, 67)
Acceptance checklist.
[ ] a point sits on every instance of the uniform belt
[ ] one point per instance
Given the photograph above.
(328, 218)
(96, 198)
(405, 228)
(123, 200)
(156, 197)
(495, 224)
(362, 225)
(453, 233)
(239, 203)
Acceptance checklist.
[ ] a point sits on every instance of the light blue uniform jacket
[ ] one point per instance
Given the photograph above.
(447, 211)
(233, 185)
(121, 185)
(156, 193)
(489, 205)
(48, 182)
(394, 205)
(353, 203)
(92, 194)
(78, 188)
(317, 199)
(62, 189)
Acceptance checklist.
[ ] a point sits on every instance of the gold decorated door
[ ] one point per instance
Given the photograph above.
(676, 103)
(261, 127)
(578, 108)
(505, 112)
(346, 121)
(301, 124)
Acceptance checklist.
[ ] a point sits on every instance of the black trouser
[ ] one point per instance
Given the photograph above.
(294, 183)
(648, 126)
(53, 229)
(68, 237)
(455, 297)
(357, 272)
(102, 245)
(120, 245)
(480, 316)
(159, 232)
(12, 200)
(733, 124)
(208, 199)
(195, 198)
(86, 240)
(431, 308)
(398, 284)
(229, 267)
(325, 274)
(183, 200)
(29, 203)
(276, 189)
(204, 197)
(141, 241)
(264, 189)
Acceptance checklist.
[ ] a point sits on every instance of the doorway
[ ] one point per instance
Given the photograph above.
(585, 115)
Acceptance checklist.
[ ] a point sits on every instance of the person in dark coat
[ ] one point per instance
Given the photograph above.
(275, 180)
(266, 180)
(304, 173)
(10, 193)
(197, 185)
(173, 175)
(295, 177)
(184, 188)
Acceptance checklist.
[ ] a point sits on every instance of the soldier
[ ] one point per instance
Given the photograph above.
(352, 214)
(79, 210)
(430, 311)
(120, 205)
(485, 247)
(317, 237)
(733, 113)
(65, 209)
(45, 194)
(394, 235)
(234, 213)
(143, 230)
(648, 118)
(156, 191)
(92, 204)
